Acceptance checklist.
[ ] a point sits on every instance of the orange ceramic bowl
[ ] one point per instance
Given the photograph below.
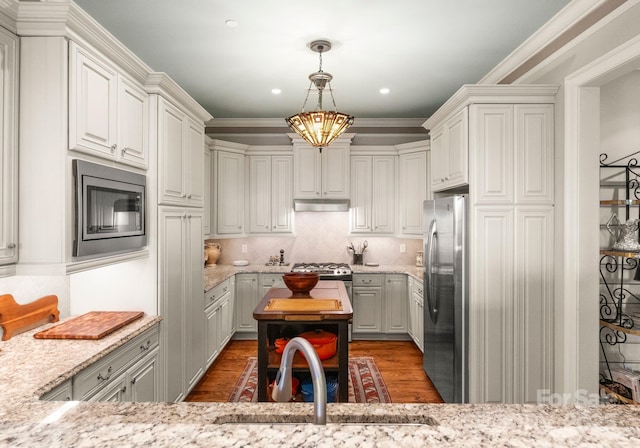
(300, 283)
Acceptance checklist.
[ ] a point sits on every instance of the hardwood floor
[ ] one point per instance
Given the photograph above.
(400, 363)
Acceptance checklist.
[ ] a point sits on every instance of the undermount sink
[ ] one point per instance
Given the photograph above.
(288, 419)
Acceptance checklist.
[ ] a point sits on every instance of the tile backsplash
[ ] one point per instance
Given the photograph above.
(320, 237)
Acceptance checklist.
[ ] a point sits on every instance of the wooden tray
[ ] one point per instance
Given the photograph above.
(92, 325)
(304, 305)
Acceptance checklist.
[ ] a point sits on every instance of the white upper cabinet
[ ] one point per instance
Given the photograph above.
(373, 180)
(512, 153)
(8, 149)
(181, 160)
(321, 174)
(270, 199)
(450, 153)
(413, 186)
(229, 193)
(108, 112)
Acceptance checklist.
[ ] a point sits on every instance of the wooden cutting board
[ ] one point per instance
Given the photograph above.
(92, 325)
(303, 305)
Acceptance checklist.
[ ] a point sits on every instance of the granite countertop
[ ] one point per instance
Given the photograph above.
(214, 275)
(30, 367)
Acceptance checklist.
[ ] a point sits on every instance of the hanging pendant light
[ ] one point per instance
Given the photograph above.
(320, 127)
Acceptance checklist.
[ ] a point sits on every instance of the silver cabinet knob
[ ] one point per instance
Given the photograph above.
(11, 246)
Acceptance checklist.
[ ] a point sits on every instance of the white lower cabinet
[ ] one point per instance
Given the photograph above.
(247, 297)
(395, 304)
(180, 290)
(367, 304)
(219, 318)
(416, 312)
(380, 306)
(130, 373)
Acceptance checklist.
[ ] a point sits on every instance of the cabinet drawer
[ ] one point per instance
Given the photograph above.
(61, 392)
(216, 292)
(417, 287)
(272, 280)
(99, 374)
(367, 280)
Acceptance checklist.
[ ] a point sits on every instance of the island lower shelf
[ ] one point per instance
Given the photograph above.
(274, 324)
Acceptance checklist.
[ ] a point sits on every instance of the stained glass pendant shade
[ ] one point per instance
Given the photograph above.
(320, 127)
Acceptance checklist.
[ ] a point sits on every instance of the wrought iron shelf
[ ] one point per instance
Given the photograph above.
(619, 253)
(620, 202)
(620, 398)
(634, 331)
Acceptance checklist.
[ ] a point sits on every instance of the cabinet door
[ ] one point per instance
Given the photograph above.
(206, 223)
(212, 333)
(491, 348)
(281, 194)
(439, 168)
(457, 130)
(395, 298)
(307, 172)
(259, 194)
(383, 199)
(367, 310)
(144, 379)
(8, 148)
(171, 161)
(247, 299)
(335, 172)
(115, 391)
(172, 259)
(534, 153)
(491, 134)
(230, 193)
(194, 164)
(133, 123)
(450, 153)
(419, 321)
(412, 184)
(361, 194)
(92, 103)
(194, 310)
(533, 302)
(226, 319)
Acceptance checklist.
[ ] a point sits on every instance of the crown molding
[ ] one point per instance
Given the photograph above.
(66, 19)
(162, 84)
(280, 123)
(492, 94)
(569, 16)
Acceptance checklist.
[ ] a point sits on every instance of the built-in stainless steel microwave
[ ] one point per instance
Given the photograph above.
(109, 210)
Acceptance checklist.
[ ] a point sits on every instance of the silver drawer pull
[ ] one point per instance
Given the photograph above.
(105, 378)
(144, 348)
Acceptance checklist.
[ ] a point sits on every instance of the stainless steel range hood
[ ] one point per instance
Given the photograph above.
(321, 205)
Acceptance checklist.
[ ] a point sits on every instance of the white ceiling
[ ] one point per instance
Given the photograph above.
(422, 50)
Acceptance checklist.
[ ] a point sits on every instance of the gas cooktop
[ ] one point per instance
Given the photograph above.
(326, 270)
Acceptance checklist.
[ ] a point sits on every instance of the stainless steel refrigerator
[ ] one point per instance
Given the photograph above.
(445, 297)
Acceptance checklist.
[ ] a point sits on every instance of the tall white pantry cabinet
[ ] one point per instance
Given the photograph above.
(502, 141)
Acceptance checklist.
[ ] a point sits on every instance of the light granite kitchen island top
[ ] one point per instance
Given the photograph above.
(30, 367)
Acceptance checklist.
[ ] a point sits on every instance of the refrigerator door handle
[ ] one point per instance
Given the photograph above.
(429, 283)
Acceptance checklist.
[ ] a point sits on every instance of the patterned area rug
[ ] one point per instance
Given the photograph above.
(365, 382)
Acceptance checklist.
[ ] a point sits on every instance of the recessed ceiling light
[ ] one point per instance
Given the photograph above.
(384, 91)
(231, 23)
(276, 91)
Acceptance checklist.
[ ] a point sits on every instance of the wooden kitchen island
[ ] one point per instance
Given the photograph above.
(328, 308)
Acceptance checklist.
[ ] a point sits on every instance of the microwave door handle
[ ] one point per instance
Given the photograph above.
(429, 281)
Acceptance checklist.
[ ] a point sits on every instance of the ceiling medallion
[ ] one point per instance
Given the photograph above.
(320, 127)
